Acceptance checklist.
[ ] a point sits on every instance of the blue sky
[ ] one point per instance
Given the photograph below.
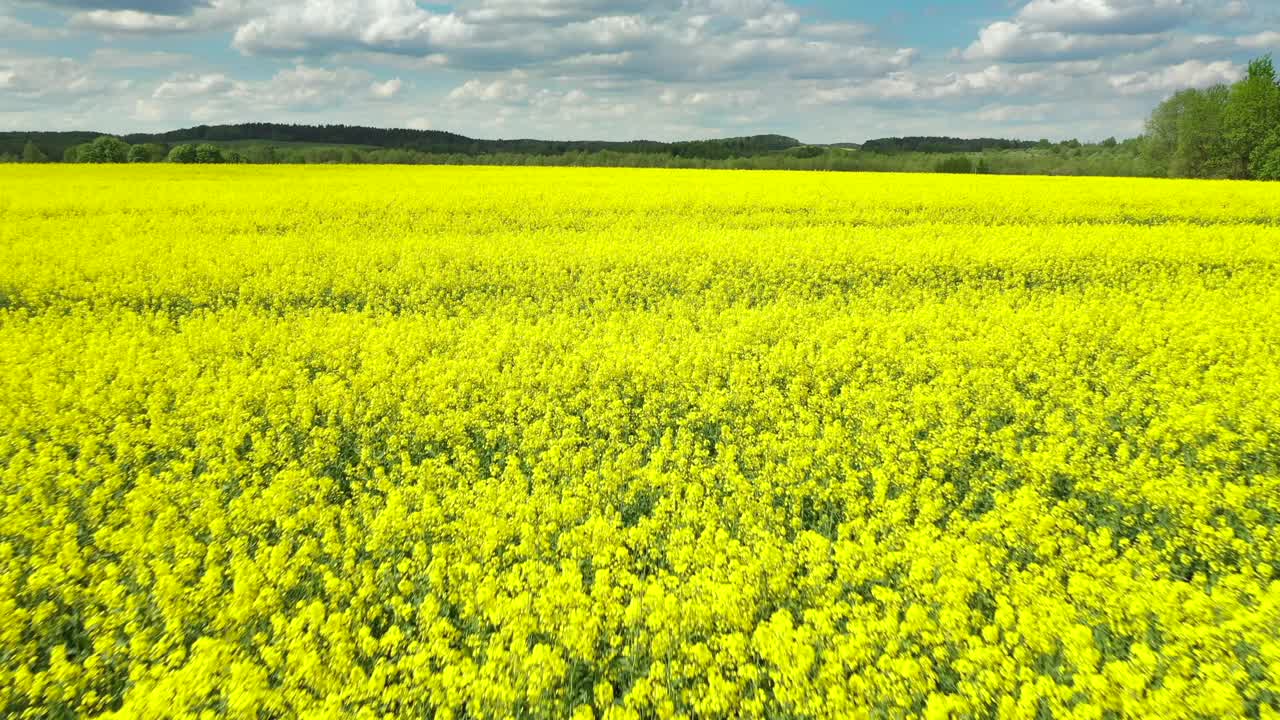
(820, 70)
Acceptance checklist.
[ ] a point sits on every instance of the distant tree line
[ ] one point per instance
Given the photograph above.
(1065, 158)
(438, 141)
(1225, 131)
(359, 144)
(945, 145)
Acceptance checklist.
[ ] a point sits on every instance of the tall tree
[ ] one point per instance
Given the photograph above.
(32, 153)
(1161, 139)
(1251, 114)
(1265, 161)
(1184, 134)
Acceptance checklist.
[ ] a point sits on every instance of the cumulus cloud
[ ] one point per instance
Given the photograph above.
(1190, 74)
(1236, 9)
(1015, 42)
(720, 99)
(51, 78)
(182, 87)
(1047, 30)
(501, 90)
(542, 108)
(561, 10)
(1003, 114)
(1105, 17)
(311, 26)
(155, 7)
(11, 27)
(205, 96)
(120, 59)
(1265, 40)
(657, 39)
(992, 80)
(202, 17)
(386, 90)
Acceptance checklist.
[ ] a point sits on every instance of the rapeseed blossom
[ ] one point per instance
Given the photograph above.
(491, 443)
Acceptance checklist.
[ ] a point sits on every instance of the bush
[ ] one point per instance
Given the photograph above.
(209, 154)
(105, 149)
(139, 154)
(183, 154)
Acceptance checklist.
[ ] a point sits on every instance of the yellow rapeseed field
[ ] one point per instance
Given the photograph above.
(283, 442)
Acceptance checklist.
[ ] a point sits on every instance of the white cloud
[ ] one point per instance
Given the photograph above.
(182, 87)
(158, 7)
(302, 88)
(11, 27)
(386, 90)
(1015, 42)
(117, 58)
(216, 15)
(1265, 40)
(719, 99)
(554, 10)
(1125, 17)
(501, 90)
(46, 78)
(1190, 74)
(329, 25)
(989, 81)
(1237, 9)
(662, 40)
(310, 87)
(1058, 30)
(1005, 114)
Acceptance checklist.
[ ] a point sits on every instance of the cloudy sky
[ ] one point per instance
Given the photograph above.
(820, 70)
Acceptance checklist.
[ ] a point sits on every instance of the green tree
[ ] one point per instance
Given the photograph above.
(208, 153)
(1252, 113)
(183, 154)
(139, 154)
(106, 149)
(264, 154)
(155, 152)
(1161, 139)
(1184, 134)
(957, 164)
(1266, 157)
(32, 153)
